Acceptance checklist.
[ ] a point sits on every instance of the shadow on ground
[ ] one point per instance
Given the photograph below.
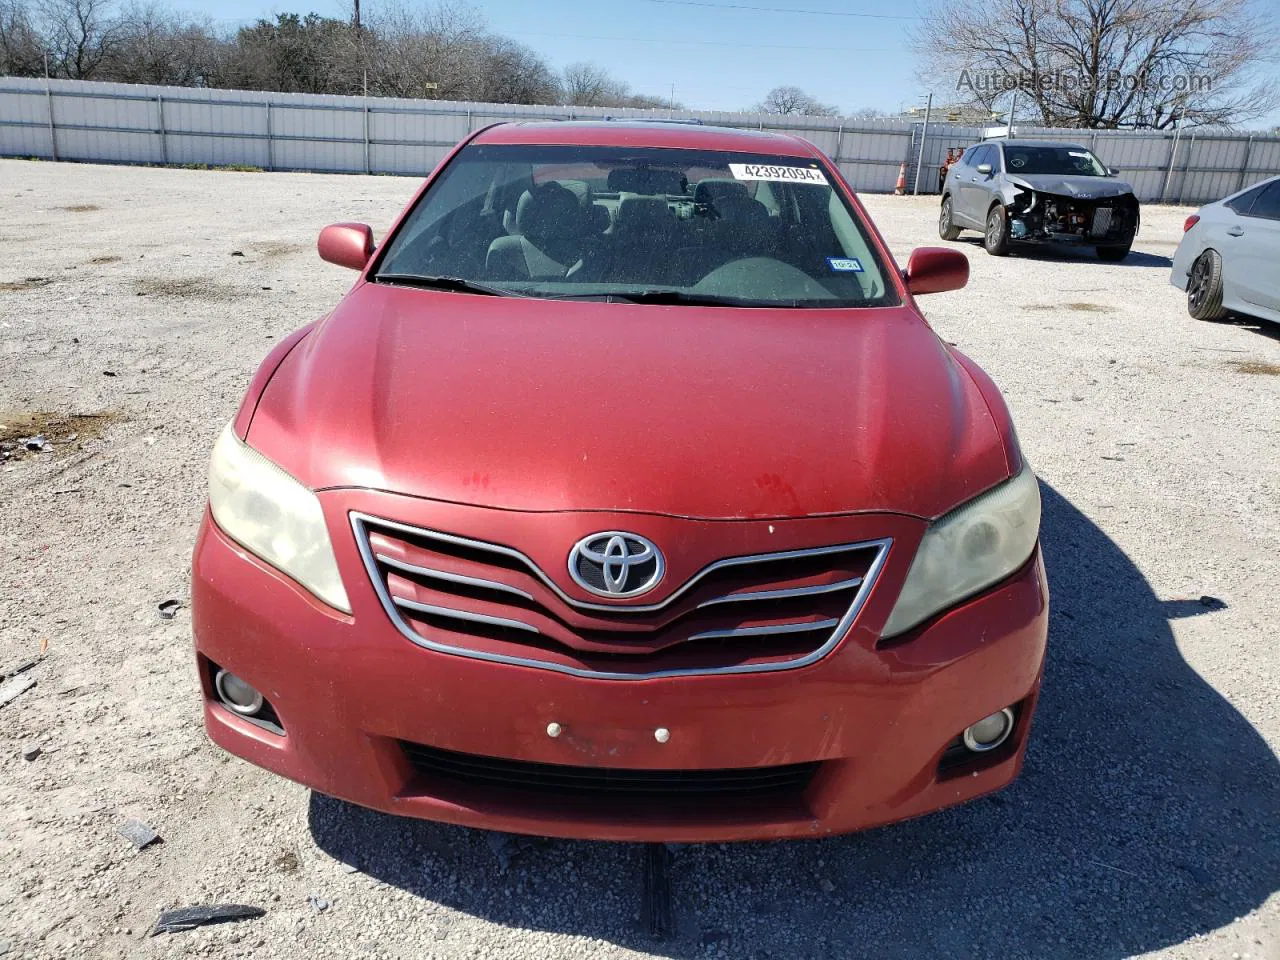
(1262, 328)
(1148, 812)
(1067, 251)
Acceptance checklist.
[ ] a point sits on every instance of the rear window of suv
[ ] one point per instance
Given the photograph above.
(640, 224)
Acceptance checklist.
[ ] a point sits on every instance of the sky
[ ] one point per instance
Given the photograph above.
(717, 57)
(713, 54)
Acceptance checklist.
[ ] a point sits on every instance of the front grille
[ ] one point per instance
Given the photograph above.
(1101, 221)
(433, 763)
(740, 614)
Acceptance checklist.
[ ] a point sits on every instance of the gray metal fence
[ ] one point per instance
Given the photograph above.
(126, 123)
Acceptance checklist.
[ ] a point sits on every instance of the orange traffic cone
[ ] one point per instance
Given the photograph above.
(901, 187)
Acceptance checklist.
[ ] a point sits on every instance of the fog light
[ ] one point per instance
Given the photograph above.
(989, 732)
(236, 694)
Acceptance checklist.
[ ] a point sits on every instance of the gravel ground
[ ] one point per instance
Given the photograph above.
(1147, 820)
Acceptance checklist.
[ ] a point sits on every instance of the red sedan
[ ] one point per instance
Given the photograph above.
(627, 495)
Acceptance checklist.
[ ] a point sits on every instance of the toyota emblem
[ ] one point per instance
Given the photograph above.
(616, 564)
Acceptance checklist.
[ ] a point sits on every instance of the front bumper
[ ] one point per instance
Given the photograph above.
(350, 692)
(1049, 218)
(1186, 254)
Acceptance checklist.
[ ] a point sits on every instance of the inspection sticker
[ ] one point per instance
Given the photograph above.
(764, 171)
(845, 264)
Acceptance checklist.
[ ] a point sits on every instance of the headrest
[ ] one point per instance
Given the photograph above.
(549, 210)
(742, 210)
(715, 190)
(644, 215)
(579, 188)
(646, 181)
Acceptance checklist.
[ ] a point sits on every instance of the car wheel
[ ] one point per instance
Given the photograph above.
(947, 229)
(1204, 287)
(996, 237)
(1114, 254)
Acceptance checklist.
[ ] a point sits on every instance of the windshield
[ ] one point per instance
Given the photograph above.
(638, 224)
(1060, 161)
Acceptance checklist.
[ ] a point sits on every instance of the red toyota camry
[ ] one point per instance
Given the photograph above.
(626, 495)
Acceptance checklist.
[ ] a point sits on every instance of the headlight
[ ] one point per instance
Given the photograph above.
(969, 549)
(274, 516)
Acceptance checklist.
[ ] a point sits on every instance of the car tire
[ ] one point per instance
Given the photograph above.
(1115, 254)
(1204, 287)
(947, 228)
(995, 239)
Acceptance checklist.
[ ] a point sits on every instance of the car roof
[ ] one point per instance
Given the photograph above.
(624, 133)
(1032, 143)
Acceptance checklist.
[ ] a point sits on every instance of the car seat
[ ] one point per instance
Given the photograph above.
(550, 225)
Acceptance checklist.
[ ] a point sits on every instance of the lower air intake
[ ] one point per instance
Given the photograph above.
(432, 762)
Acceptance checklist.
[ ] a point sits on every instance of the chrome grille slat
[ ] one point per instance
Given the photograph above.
(467, 615)
(764, 631)
(429, 573)
(785, 594)
(438, 593)
(359, 519)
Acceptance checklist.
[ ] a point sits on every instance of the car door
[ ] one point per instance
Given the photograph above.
(973, 186)
(957, 178)
(1252, 250)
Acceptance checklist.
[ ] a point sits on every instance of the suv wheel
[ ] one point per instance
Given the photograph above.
(947, 229)
(996, 237)
(1116, 253)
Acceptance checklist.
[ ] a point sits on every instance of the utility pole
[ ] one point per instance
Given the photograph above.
(1173, 153)
(355, 20)
(924, 135)
(48, 99)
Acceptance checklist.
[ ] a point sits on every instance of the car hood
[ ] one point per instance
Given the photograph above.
(1085, 188)
(708, 412)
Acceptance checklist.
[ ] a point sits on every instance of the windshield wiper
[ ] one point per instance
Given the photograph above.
(454, 284)
(675, 297)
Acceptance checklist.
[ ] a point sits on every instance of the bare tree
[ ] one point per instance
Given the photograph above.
(515, 74)
(440, 50)
(793, 100)
(158, 45)
(1104, 63)
(20, 50)
(293, 54)
(79, 35)
(424, 52)
(590, 85)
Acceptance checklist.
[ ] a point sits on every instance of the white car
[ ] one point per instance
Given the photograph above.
(1229, 257)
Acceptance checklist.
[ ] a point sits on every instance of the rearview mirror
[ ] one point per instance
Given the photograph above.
(984, 169)
(346, 244)
(935, 270)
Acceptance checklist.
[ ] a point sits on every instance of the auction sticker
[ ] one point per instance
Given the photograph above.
(845, 264)
(765, 171)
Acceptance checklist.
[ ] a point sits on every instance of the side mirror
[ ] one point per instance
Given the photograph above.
(346, 244)
(984, 169)
(935, 270)
(1113, 172)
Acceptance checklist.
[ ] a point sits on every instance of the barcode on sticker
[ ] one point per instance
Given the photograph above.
(764, 171)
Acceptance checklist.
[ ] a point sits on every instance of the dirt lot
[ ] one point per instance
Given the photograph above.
(135, 304)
